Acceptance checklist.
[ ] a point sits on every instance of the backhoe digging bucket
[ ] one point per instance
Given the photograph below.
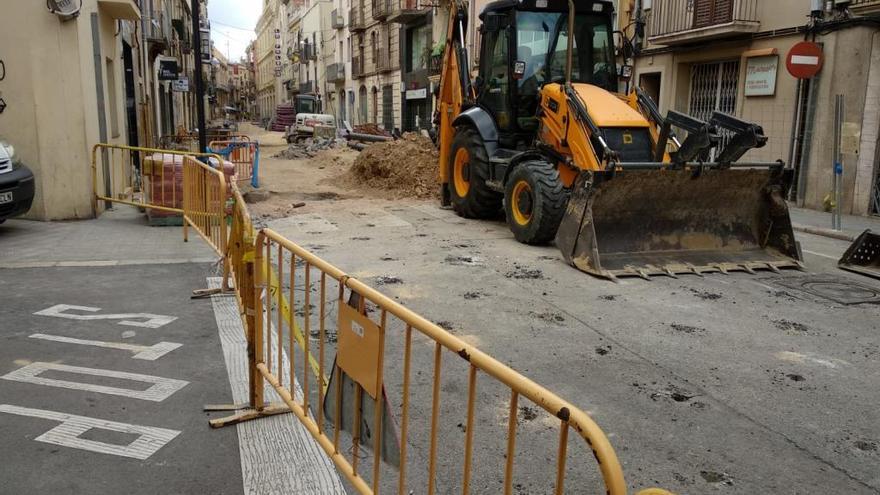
(863, 256)
(666, 222)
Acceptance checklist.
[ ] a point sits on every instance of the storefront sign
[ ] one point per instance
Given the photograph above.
(181, 85)
(761, 75)
(416, 94)
(168, 70)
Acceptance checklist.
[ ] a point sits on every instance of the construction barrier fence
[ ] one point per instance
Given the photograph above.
(245, 155)
(399, 404)
(204, 202)
(189, 142)
(167, 184)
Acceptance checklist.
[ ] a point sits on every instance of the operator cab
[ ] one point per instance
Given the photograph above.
(524, 47)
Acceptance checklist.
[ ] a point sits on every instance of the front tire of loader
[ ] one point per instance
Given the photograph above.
(468, 173)
(534, 202)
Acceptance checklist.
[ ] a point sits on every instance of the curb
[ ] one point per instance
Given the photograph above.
(834, 234)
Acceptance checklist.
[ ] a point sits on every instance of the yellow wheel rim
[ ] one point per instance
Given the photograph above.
(460, 172)
(521, 203)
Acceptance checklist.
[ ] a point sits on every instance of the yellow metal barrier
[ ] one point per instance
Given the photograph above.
(204, 202)
(145, 177)
(243, 154)
(295, 294)
(190, 141)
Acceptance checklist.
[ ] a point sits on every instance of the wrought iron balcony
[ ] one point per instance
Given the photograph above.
(336, 72)
(385, 62)
(158, 28)
(356, 19)
(678, 22)
(357, 67)
(381, 9)
(403, 11)
(336, 20)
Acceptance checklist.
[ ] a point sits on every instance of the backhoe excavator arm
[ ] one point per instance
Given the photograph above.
(456, 88)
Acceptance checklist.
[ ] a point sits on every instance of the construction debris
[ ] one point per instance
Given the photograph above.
(309, 147)
(406, 167)
(372, 129)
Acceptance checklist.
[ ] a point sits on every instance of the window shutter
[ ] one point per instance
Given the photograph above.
(712, 12)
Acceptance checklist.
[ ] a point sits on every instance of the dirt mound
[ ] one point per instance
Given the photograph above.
(406, 167)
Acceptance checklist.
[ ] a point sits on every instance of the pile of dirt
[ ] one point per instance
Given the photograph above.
(373, 129)
(406, 167)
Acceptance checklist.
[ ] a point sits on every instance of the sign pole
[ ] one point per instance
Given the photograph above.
(200, 87)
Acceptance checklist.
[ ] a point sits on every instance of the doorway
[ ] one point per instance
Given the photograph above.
(388, 107)
(375, 103)
(650, 84)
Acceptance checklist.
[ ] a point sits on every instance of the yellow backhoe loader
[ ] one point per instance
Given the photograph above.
(542, 133)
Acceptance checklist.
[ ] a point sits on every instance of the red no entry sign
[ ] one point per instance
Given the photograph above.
(804, 60)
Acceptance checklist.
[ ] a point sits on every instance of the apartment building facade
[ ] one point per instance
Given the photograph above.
(700, 56)
(67, 84)
(268, 59)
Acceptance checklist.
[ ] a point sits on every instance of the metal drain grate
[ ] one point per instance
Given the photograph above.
(837, 289)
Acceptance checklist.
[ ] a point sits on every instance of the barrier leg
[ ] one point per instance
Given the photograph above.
(256, 406)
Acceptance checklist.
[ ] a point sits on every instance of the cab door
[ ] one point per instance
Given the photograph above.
(495, 71)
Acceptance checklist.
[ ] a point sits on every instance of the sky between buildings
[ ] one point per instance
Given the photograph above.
(232, 25)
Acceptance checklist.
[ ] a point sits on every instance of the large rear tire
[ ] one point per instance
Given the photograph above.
(468, 173)
(534, 202)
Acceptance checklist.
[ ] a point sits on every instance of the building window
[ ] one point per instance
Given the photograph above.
(712, 12)
(714, 87)
(418, 46)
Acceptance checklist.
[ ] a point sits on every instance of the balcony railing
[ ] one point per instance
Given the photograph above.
(356, 19)
(158, 29)
(435, 64)
(403, 11)
(357, 67)
(336, 73)
(307, 87)
(381, 9)
(676, 22)
(336, 20)
(385, 62)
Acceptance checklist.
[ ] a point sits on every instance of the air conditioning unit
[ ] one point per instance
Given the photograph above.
(65, 9)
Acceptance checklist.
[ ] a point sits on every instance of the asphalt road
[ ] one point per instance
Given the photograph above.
(72, 421)
(731, 383)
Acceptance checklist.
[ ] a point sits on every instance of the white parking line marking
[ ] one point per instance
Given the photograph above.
(162, 387)
(67, 434)
(148, 353)
(151, 320)
(820, 254)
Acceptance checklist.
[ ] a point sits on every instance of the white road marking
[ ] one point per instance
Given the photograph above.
(835, 258)
(67, 434)
(161, 389)
(299, 465)
(151, 320)
(145, 352)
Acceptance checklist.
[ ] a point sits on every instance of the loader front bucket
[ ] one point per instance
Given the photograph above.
(667, 222)
(863, 255)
